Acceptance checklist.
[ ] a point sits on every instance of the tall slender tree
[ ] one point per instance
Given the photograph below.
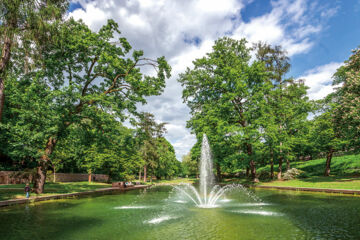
(149, 132)
(28, 24)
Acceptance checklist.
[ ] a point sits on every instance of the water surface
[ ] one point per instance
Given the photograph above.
(161, 213)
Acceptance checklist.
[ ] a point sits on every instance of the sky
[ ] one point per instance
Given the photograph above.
(318, 36)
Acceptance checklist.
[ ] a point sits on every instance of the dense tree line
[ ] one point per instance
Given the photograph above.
(68, 90)
(254, 115)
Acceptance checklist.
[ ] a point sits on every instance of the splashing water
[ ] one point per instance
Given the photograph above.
(209, 192)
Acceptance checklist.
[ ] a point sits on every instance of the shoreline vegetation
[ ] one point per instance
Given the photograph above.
(15, 192)
(345, 176)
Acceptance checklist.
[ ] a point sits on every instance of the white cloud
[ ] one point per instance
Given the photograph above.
(319, 80)
(289, 24)
(184, 30)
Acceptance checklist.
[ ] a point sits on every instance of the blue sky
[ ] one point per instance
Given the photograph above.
(318, 35)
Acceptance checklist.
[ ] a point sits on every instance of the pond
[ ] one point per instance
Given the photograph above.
(161, 213)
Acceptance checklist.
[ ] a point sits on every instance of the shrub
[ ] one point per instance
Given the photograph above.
(263, 175)
(291, 174)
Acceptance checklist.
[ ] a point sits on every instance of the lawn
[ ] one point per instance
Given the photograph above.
(17, 190)
(334, 182)
(174, 181)
(348, 165)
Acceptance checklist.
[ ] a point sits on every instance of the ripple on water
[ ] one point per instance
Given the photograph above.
(253, 204)
(130, 207)
(159, 219)
(258, 212)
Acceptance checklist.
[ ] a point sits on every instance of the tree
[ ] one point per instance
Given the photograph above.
(88, 76)
(26, 24)
(226, 82)
(325, 138)
(109, 149)
(167, 164)
(189, 166)
(287, 105)
(347, 99)
(148, 134)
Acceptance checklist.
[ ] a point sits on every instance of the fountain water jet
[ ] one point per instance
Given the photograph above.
(209, 192)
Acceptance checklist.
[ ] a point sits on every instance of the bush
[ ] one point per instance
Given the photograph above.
(263, 175)
(291, 174)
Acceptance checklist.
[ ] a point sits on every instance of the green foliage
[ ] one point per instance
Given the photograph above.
(28, 119)
(75, 95)
(348, 165)
(157, 154)
(189, 166)
(225, 93)
(347, 99)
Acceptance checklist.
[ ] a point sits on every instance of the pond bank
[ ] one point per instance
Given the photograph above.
(326, 190)
(68, 195)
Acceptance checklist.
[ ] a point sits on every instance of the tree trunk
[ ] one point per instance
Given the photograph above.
(272, 165)
(252, 163)
(279, 177)
(5, 58)
(42, 166)
(287, 164)
(145, 169)
(140, 174)
(89, 177)
(54, 174)
(253, 171)
(328, 162)
(40, 178)
(218, 172)
(2, 96)
(247, 171)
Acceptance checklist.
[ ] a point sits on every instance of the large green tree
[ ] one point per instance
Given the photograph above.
(287, 106)
(85, 75)
(227, 82)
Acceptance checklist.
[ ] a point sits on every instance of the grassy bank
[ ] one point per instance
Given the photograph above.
(334, 182)
(16, 191)
(173, 181)
(340, 166)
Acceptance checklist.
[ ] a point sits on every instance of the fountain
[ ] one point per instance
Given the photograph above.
(209, 192)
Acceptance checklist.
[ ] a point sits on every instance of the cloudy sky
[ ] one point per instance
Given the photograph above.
(317, 34)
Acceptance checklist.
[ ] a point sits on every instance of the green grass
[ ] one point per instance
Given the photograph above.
(345, 174)
(16, 191)
(174, 181)
(334, 182)
(340, 166)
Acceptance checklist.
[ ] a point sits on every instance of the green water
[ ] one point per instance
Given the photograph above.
(159, 213)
